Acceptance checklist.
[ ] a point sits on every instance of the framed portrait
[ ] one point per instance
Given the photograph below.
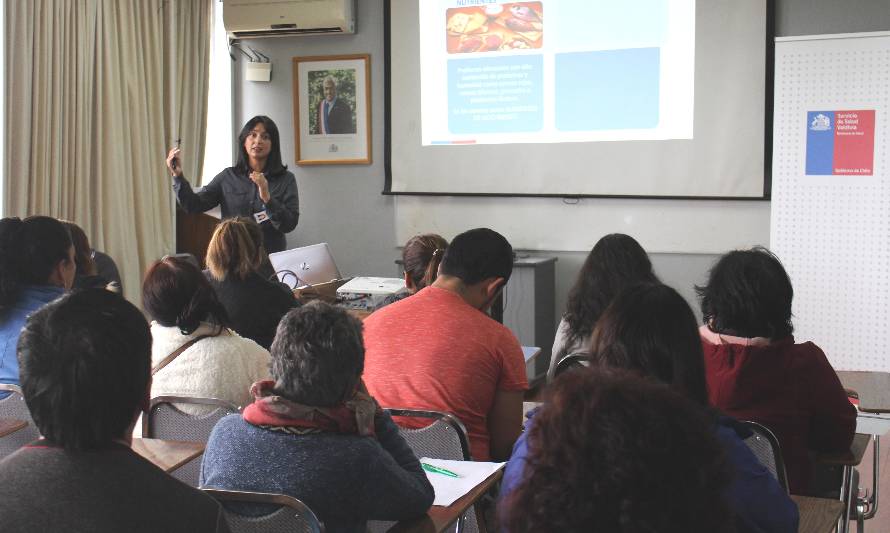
(332, 109)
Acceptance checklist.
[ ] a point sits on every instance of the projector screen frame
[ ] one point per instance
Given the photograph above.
(769, 63)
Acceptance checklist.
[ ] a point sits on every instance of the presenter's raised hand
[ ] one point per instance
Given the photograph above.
(174, 161)
(262, 185)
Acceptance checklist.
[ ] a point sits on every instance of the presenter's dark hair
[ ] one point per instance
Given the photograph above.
(615, 262)
(421, 257)
(29, 251)
(650, 329)
(274, 165)
(608, 451)
(748, 294)
(176, 293)
(85, 360)
(478, 254)
(318, 355)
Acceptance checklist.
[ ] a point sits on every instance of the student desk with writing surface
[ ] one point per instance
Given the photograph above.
(8, 426)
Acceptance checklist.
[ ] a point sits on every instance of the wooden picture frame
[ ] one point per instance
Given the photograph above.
(332, 109)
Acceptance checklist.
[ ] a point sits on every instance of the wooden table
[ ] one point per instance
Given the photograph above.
(9, 426)
(851, 457)
(817, 515)
(439, 519)
(167, 454)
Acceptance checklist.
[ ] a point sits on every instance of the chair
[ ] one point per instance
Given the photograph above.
(572, 360)
(292, 515)
(14, 406)
(445, 438)
(165, 421)
(765, 446)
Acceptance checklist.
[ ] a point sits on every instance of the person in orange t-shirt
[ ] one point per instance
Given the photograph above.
(438, 350)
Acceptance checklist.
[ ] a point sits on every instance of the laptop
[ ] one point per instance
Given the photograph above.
(308, 265)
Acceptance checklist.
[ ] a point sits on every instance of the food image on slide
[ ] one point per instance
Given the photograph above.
(495, 27)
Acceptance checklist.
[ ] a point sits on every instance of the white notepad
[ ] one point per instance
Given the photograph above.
(450, 489)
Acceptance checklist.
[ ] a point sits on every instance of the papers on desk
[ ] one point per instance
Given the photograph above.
(450, 489)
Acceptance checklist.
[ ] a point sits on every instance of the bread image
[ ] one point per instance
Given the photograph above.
(464, 23)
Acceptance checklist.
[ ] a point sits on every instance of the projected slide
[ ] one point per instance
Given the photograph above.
(551, 71)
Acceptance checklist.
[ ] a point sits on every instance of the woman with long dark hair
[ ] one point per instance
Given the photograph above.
(650, 330)
(36, 267)
(615, 262)
(258, 186)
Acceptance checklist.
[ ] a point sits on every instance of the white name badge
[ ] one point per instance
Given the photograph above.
(261, 217)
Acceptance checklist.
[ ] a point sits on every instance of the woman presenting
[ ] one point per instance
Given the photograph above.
(258, 186)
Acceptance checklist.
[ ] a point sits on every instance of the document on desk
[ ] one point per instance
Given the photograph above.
(469, 474)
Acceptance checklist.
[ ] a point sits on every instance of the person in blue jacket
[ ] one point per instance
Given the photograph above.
(650, 329)
(36, 267)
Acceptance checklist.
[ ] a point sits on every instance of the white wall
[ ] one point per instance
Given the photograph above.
(342, 205)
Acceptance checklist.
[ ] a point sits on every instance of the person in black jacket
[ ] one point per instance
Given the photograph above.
(254, 304)
(258, 186)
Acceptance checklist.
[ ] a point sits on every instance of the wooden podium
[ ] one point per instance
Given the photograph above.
(193, 233)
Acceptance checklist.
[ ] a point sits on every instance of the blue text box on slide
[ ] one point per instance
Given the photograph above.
(607, 89)
(496, 95)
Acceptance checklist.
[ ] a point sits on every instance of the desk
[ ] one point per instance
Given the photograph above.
(8, 426)
(439, 519)
(873, 390)
(817, 515)
(167, 455)
(531, 354)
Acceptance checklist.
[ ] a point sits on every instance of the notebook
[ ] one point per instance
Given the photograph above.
(308, 265)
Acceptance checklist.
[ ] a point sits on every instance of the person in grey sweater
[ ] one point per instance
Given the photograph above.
(315, 434)
(85, 377)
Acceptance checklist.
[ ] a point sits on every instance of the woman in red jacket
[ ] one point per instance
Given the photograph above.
(755, 370)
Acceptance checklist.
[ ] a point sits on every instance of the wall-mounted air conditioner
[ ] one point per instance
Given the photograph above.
(246, 19)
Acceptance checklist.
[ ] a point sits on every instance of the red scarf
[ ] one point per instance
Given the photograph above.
(270, 411)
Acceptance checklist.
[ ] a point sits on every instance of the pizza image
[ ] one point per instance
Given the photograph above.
(495, 28)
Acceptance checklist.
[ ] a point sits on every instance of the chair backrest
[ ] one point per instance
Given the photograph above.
(572, 360)
(765, 446)
(165, 421)
(445, 438)
(14, 406)
(291, 516)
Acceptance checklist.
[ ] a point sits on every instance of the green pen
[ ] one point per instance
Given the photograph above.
(437, 470)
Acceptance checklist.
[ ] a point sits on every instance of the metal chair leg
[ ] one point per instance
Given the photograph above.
(846, 496)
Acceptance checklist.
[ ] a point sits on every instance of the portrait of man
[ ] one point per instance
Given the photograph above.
(333, 113)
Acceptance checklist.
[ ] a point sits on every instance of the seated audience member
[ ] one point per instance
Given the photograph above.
(216, 362)
(36, 267)
(438, 349)
(421, 257)
(86, 276)
(85, 377)
(616, 261)
(649, 329)
(756, 371)
(107, 268)
(254, 304)
(614, 452)
(315, 434)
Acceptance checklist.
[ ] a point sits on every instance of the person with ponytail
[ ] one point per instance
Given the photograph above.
(421, 257)
(254, 304)
(36, 267)
(193, 352)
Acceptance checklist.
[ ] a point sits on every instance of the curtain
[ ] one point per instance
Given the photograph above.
(97, 91)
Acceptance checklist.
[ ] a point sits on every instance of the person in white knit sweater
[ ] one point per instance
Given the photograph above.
(219, 364)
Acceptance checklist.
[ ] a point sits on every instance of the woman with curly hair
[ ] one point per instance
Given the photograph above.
(756, 371)
(649, 329)
(615, 262)
(610, 451)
